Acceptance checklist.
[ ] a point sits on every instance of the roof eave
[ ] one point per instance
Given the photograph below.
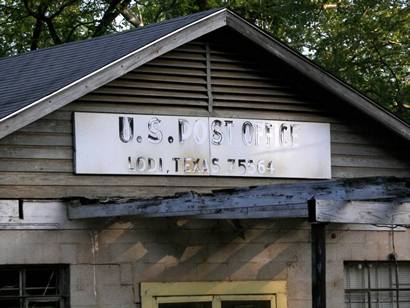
(118, 68)
(181, 36)
(318, 75)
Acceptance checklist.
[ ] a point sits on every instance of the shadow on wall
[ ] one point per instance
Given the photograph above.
(192, 250)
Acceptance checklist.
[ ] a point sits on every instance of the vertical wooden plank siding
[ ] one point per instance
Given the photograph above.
(205, 77)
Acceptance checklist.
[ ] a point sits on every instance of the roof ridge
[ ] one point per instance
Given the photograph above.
(109, 34)
(53, 76)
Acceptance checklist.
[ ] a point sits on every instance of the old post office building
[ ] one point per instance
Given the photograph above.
(197, 163)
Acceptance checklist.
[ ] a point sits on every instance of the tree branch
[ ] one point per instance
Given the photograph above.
(36, 34)
(128, 14)
(39, 14)
(68, 38)
(390, 69)
(53, 32)
(110, 14)
(202, 4)
(62, 7)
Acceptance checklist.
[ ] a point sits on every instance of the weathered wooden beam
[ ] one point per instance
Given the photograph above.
(279, 211)
(184, 207)
(318, 265)
(283, 200)
(384, 212)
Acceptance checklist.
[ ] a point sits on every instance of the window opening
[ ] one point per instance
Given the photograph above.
(34, 286)
(186, 305)
(246, 304)
(373, 284)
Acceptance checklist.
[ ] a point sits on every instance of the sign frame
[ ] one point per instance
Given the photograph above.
(323, 129)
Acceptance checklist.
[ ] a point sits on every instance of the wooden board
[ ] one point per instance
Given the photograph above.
(390, 212)
(267, 201)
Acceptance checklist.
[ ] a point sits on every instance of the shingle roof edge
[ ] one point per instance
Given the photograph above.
(214, 12)
(7, 129)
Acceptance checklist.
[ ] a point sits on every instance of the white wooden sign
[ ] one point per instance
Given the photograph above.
(200, 146)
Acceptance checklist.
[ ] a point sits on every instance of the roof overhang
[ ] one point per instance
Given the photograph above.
(183, 35)
(318, 75)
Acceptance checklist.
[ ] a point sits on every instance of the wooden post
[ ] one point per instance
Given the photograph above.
(318, 265)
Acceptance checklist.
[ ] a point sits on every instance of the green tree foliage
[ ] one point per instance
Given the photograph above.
(364, 42)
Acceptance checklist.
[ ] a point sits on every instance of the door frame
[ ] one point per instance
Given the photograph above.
(154, 293)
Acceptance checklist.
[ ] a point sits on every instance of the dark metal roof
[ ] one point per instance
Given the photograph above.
(29, 77)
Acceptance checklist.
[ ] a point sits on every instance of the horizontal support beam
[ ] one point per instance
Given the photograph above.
(130, 209)
(279, 211)
(392, 212)
(270, 201)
